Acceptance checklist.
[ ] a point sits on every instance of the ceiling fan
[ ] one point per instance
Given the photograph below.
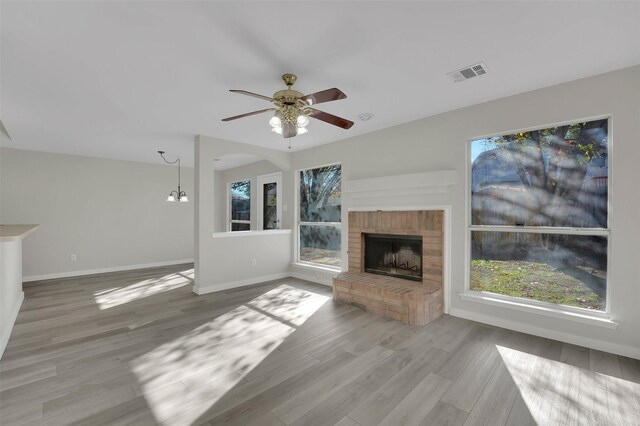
(292, 109)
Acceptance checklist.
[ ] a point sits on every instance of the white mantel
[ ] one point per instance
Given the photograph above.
(400, 192)
(409, 184)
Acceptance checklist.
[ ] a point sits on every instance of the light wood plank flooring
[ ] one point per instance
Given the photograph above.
(139, 347)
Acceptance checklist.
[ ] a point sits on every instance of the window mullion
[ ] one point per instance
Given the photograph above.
(541, 230)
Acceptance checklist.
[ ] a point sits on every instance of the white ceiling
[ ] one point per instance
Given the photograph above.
(124, 79)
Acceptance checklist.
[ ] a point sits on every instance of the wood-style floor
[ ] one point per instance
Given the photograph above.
(140, 348)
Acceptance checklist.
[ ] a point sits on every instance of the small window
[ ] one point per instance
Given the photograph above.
(240, 205)
(319, 229)
(539, 214)
(269, 201)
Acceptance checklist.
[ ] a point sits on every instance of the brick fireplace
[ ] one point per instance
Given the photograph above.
(417, 301)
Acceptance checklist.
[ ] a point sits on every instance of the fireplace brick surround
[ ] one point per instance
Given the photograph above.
(411, 302)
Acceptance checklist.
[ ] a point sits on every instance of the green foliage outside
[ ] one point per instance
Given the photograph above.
(533, 280)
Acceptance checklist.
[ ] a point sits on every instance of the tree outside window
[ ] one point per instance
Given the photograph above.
(539, 214)
(240, 205)
(320, 215)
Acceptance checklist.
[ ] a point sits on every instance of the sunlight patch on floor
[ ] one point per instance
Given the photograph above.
(289, 303)
(558, 393)
(118, 296)
(184, 377)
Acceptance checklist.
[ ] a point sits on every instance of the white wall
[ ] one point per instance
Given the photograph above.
(242, 258)
(440, 143)
(220, 207)
(112, 214)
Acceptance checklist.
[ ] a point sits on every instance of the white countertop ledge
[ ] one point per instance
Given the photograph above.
(15, 232)
(239, 234)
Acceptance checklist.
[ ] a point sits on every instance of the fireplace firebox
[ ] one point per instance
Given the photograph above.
(394, 255)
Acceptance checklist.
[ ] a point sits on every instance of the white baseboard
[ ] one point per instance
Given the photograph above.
(5, 333)
(314, 273)
(200, 290)
(103, 270)
(318, 279)
(629, 351)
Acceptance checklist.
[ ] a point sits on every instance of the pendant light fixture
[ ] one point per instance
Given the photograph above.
(178, 195)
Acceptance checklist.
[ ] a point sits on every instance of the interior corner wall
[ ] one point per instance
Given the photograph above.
(111, 214)
(233, 260)
(440, 143)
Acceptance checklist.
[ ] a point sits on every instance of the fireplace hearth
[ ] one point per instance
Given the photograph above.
(405, 282)
(393, 255)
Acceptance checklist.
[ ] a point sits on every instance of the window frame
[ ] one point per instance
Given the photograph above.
(299, 223)
(230, 220)
(262, 180)
(590, 316)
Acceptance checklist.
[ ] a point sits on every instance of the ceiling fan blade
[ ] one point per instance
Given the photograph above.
(255, 95)
(235, 117)
(330, 118)
(324, 96)
(288, 130)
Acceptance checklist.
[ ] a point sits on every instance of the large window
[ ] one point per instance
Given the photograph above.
(320, 210)
(240, 206)
(539, 215)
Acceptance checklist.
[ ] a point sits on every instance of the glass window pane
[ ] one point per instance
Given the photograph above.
(241, 200)
(550, 177)
(320, 194)
(240, 226)
(270, 206)
(564, 269)
(320, 244)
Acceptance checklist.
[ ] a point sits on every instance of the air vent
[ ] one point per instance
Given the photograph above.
(468, 72)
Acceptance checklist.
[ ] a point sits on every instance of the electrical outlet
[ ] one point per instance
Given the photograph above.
(253, 262)
(74, 257)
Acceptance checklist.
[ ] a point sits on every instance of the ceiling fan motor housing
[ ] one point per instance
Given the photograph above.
(287, 97)
(288, 102)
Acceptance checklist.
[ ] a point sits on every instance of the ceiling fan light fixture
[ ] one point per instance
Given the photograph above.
(293, 109)
(275, 121)
(302, 121)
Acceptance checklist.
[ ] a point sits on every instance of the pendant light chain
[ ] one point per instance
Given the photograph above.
(179, 194)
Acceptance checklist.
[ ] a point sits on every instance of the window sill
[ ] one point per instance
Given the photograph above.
(249, 233)
(541, 308)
